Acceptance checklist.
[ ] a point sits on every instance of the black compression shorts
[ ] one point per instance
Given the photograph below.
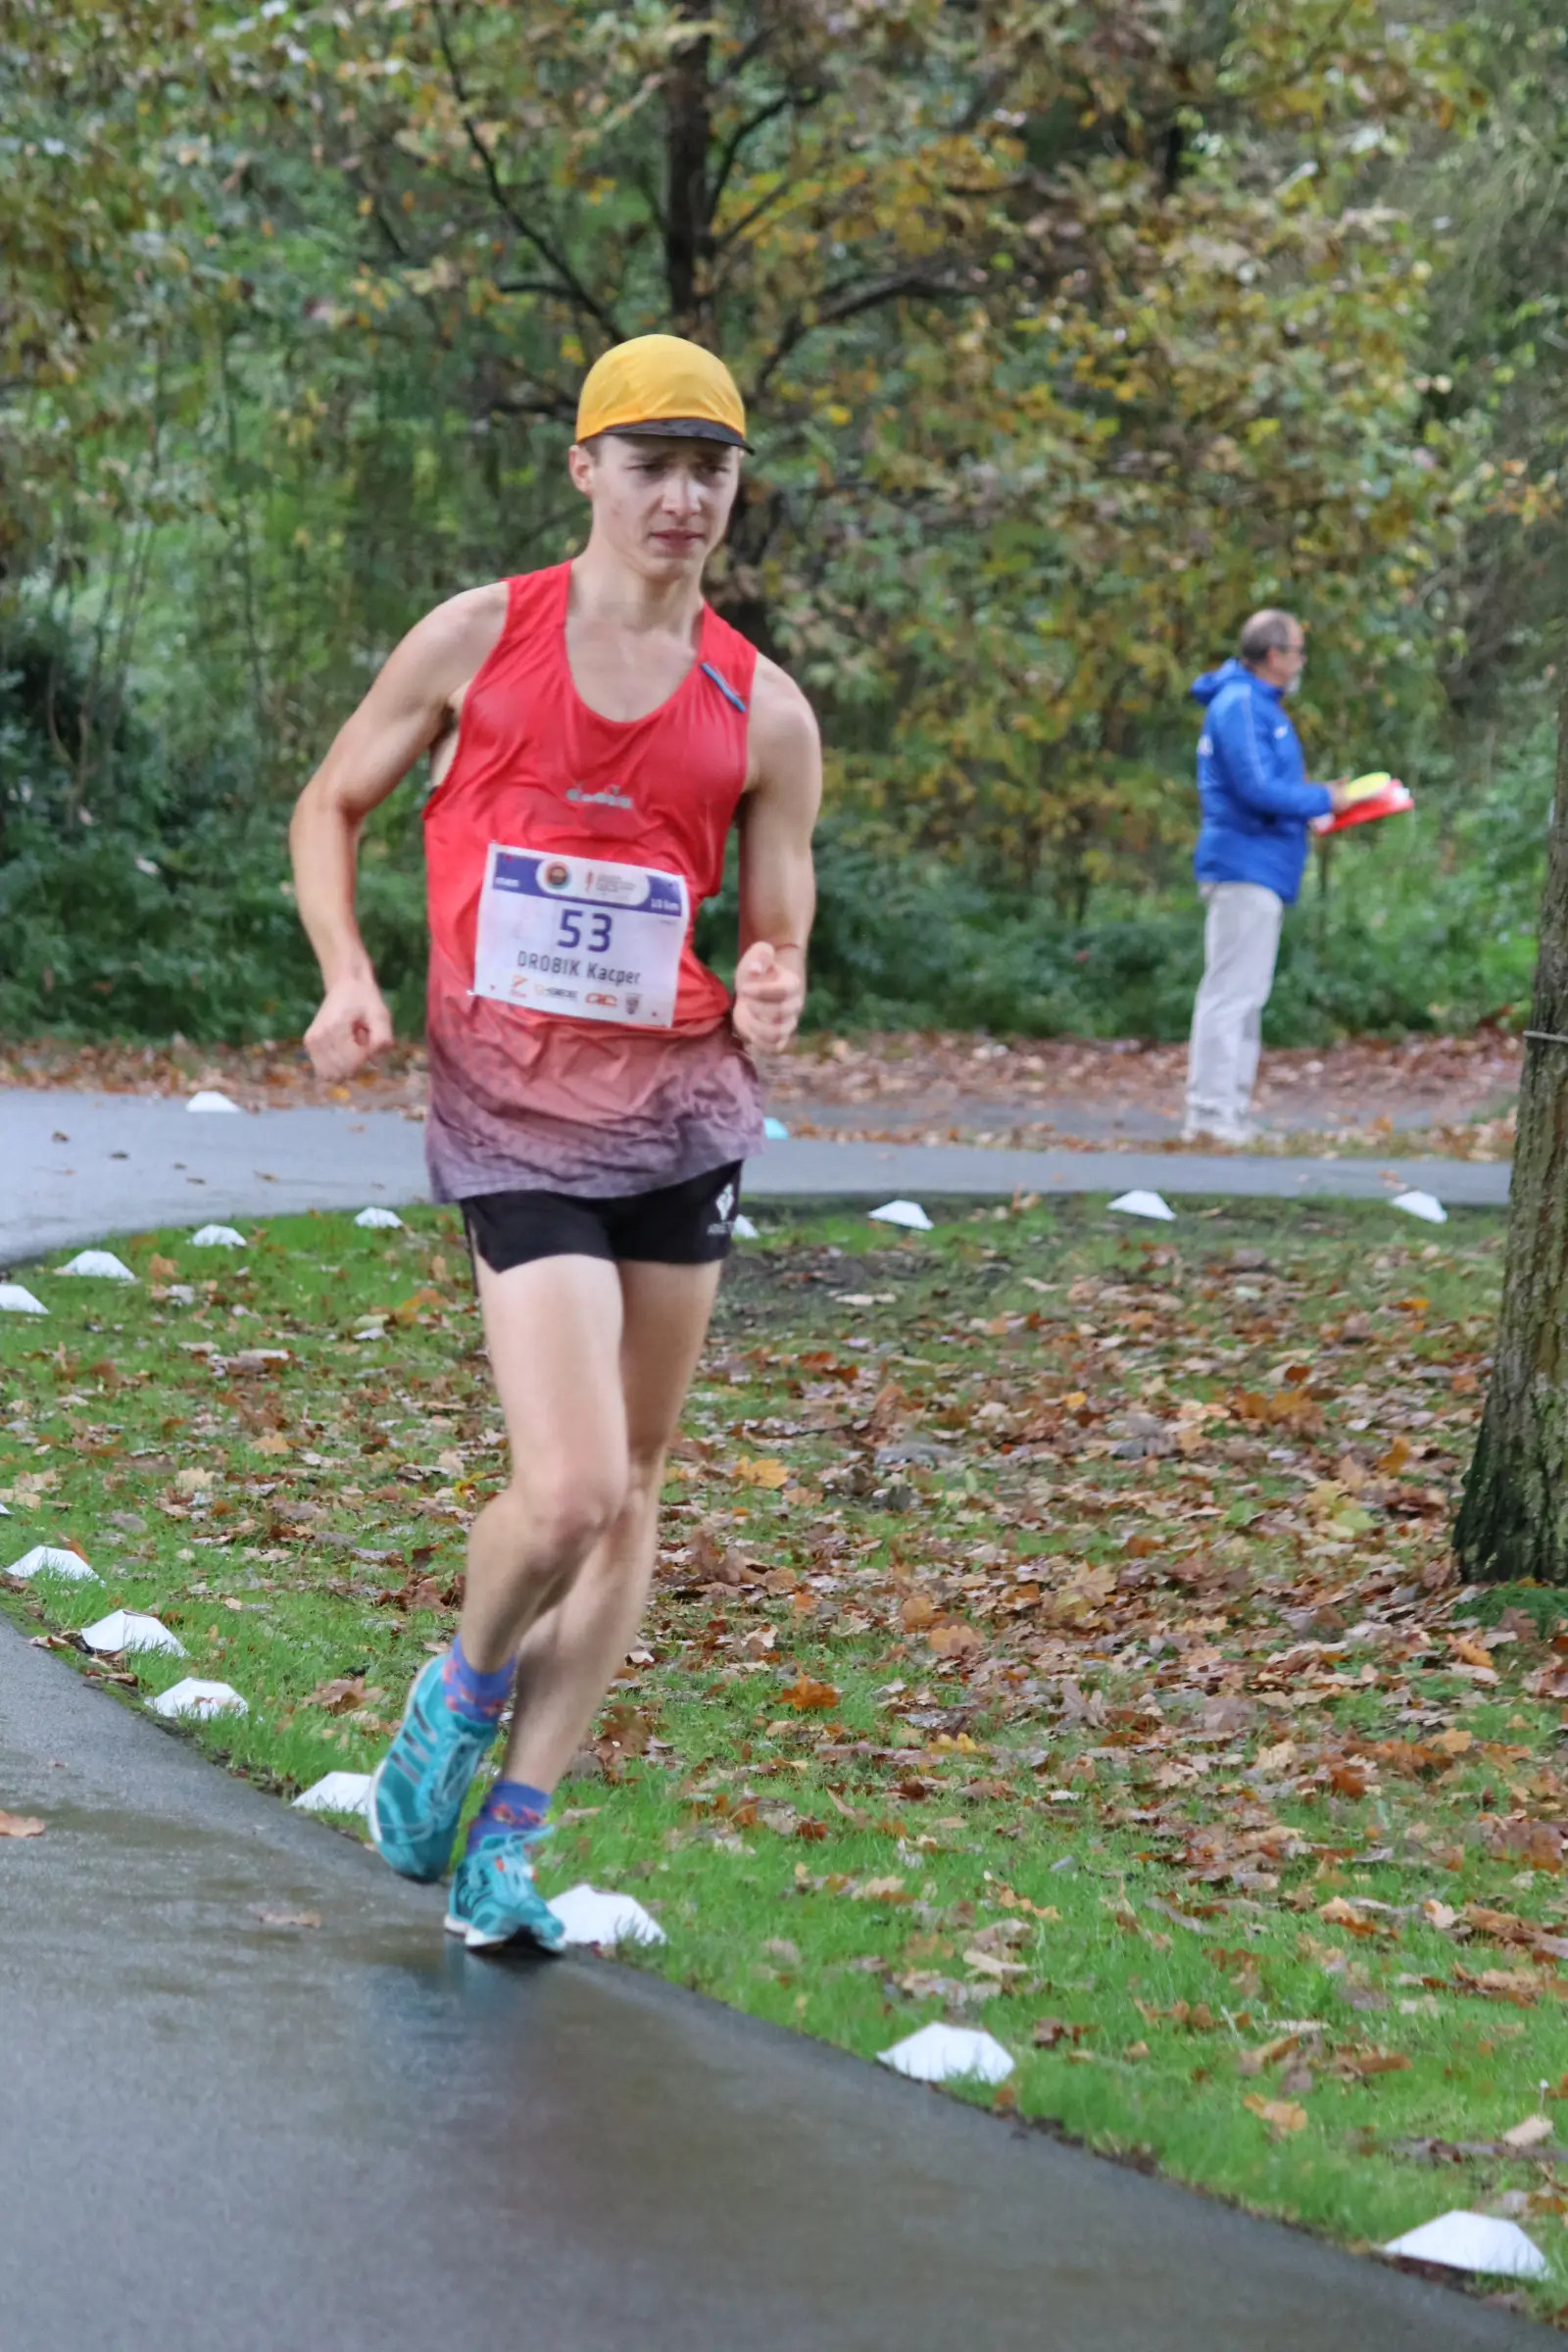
(679, 1225)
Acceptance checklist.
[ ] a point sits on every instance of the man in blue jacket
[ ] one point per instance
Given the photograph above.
(1251, 847)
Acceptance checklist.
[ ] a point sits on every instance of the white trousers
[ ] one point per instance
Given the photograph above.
(1241, 939)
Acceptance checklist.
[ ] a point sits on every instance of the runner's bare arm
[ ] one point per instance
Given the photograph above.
(411, 703)
(778, 891)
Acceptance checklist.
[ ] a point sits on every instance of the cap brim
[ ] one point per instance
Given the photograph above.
(681, 428)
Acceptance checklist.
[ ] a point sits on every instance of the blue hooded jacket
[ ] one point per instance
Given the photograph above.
(1251, 785)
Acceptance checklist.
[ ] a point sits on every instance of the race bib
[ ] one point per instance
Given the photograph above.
(577, 936)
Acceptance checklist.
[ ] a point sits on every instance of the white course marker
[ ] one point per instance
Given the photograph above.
(1473, 2241)
(744, 1230)
(47, 1559)
(207, 1097)
(381, 1220)
(202, 1700)
(128, 1630)
(901, 1212)
(941, 2053)
(1421, 1204)
(1143, 1204)
(100, 1263)
(336, 1792)
(17, 1299)
(590, 1916)
(216, 1237)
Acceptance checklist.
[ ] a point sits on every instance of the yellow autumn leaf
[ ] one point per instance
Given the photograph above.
(760, 1470)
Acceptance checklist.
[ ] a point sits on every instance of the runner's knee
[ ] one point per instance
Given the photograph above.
(570, 1508)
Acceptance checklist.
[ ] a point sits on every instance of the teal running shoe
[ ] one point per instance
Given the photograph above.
(494, 1898)
(416, 1793)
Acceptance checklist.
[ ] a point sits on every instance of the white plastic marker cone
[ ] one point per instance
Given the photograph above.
(216, 1237)
(100, 1262)
(17, 1299)
(1143, 1204)
(949, 2054)
(744, 1230)
(903, 1213)
(1473, 2241)
(381, 1220)
(207, 1097)
(46, 1559)
(202, 1700)
(590, 1916)
(126, 1630)
(336, 1792)
(1421, 1204)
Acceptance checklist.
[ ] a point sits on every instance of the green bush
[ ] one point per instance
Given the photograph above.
(171, 911)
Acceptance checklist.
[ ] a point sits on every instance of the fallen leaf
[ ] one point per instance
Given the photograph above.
(21, 1825)
(807, 1695)
(954, 1641)
(1534, 2128)
(289, 1919)
(1282, 2116)
(337, 1697)
(763, 1471)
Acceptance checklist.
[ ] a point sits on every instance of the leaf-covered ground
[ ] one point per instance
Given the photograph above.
(1055, 1631)
(933, 1086)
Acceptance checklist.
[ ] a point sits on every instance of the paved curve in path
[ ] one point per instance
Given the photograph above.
(218, 2132)
(75, 1168)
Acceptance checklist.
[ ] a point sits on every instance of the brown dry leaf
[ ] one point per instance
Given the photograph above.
(273, 1441)
(289, 1919)
(807, 1695)
(1052, 2032)
(160, 1269)
(917, 1613)
(1456, 1743)
(1526, 2135)
(337, 1697)
(21, 1825)
(1337, 1913)
(1471, 1653)
(410, 1309)
(954, 1641)
(1282, 2116)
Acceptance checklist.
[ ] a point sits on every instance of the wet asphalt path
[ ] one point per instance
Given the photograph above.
(75, 1168)
(223, 2135)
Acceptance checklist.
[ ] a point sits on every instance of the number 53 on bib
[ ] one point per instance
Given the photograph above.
(580, 936)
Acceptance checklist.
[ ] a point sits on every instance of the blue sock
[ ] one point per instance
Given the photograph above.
(510, 1805)
(478, 1697)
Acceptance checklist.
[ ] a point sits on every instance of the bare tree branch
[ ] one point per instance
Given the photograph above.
(571, 285)
(851, 302)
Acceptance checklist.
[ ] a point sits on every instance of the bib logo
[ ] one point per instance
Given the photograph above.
(598, 800)
(555, 875)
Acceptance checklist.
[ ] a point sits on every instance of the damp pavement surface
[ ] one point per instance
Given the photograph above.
(75, 1168)
(217, 2130)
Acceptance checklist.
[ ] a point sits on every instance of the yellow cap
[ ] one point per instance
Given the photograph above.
(661, 384)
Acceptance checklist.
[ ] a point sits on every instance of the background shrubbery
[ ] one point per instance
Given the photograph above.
(1221, 306)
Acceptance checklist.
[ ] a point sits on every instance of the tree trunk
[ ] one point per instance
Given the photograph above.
(688, 213)
(1514, 1521)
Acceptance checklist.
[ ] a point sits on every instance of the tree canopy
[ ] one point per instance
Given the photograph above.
(1070, 332)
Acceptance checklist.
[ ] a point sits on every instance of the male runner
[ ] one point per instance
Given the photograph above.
(595, 730)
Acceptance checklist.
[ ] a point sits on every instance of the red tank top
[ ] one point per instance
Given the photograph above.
(521, 1095)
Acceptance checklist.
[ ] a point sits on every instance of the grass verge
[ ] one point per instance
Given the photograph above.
(1054, 1632)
